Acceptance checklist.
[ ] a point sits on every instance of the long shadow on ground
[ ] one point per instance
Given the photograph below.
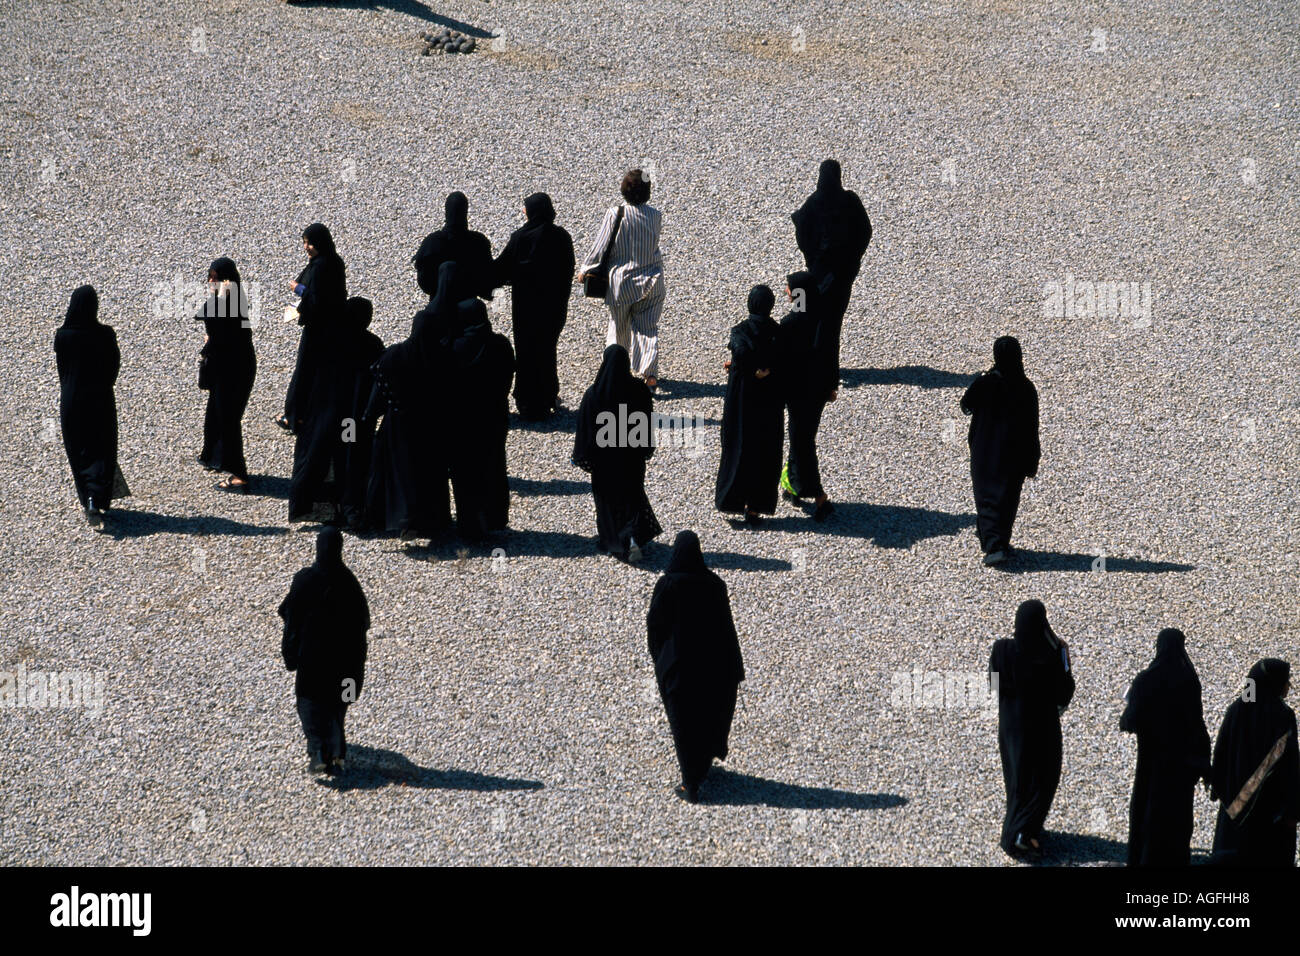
(1025, 562)
(670, 388)
(890, 526)
(370, 768)
(412, 8)
(1074, 849)
(140, 524)
(727, 788)
(920, 376)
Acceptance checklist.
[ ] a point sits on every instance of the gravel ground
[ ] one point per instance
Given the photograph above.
(509, 714)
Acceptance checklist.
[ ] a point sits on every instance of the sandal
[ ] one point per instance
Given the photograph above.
(228, 484)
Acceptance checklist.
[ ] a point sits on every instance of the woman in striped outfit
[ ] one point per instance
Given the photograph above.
(636, 276)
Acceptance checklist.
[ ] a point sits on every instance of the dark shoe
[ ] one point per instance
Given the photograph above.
(633, 552)
(753, 519)
(994, 558)
(315, 765)
(95, 518)
(824, 511)
(691, 795)
(205, 465)
(225, 484)
(336, 767)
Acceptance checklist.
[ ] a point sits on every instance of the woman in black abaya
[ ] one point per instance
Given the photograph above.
(538, 264)
(228, 367)
(1164, 710)
(324, 291)
(456, 242)
(88, 361)
(752, 415)
(408, 490)
(1032, 676)
(481, 365)
(1004, 447)
(696, 654)
(614, 439)
(324, 453)
(366, 348)
(326, 618)
(1256, 773)
(833, 232)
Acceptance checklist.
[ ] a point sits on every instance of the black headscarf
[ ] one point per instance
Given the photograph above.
(361, 311)
(457, 212)
(234, 304)
(538, 209)
(1008, 358)
(829, 176)
(687, 558)
(319, 236)
(329, 550)
(761, 300)
(83, 308)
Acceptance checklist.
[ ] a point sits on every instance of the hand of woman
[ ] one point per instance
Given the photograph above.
(762, 373)
(727, 365)
(835, 393)
(293, 287)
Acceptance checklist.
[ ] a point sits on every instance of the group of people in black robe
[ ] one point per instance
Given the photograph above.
(1253, 773)
(401, 476)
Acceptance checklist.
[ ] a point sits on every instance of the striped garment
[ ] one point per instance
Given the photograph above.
(636, 267)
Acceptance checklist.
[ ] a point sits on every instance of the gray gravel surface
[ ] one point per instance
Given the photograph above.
(509, 714)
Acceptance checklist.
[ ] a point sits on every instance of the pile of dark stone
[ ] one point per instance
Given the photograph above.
(448, 41)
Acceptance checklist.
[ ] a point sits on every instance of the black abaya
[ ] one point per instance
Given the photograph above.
(367, 347)
(408, 488)
(326, 618)
(88, 361)
(230, 367)
(538, 264)
(752, 414)
(1034, 687)
(480, 369)
(698, 666)
(332, 451)
(617, 463)
(1256, 825)
(833, 232)
(455, 242)
(321, 312)
(1164, 710)
(1003, 438)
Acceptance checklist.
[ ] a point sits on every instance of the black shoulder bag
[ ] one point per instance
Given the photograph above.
(596, 283)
